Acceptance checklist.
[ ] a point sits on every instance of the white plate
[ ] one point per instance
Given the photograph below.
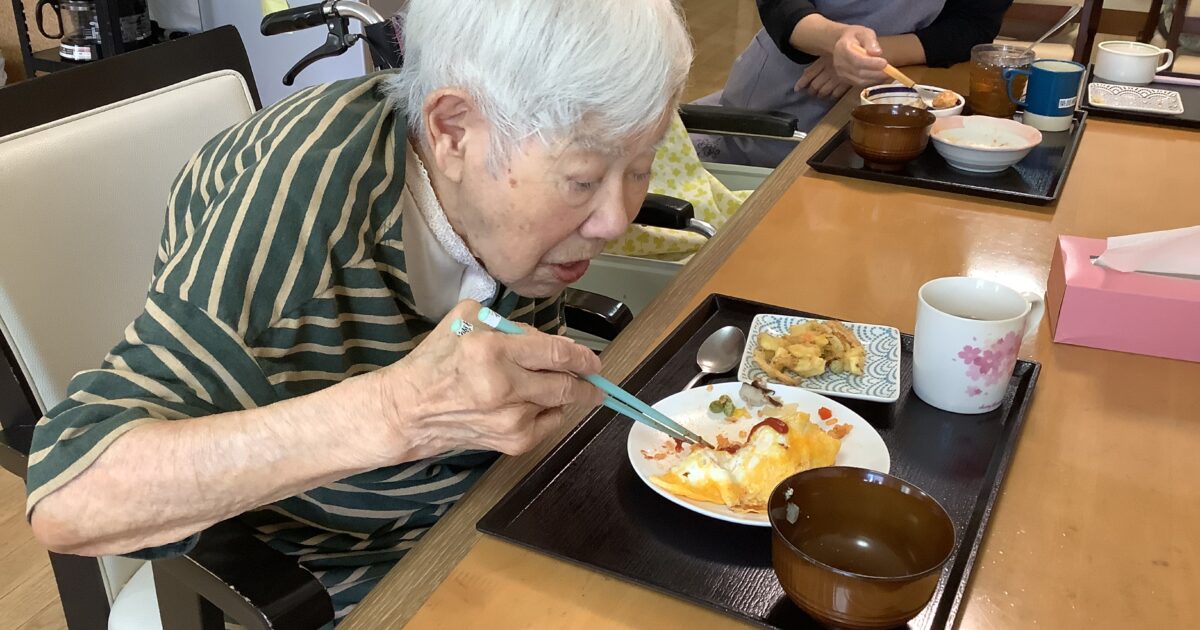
(1135, 98)
(862, 447)
(879, 382)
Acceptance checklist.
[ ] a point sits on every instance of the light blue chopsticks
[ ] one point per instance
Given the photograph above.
(618, 399)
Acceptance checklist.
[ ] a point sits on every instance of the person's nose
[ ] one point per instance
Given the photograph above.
(614, 211)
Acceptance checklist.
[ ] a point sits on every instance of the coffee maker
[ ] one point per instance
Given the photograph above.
(79, 31)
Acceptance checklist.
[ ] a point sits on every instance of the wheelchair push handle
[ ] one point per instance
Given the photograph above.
(378, 33)
(295, 19)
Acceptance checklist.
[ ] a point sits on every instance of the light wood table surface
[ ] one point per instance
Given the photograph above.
(1098, 522)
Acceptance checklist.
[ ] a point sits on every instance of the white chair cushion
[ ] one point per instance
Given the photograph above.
(84, 203)
(116, 571)
(136, 608)
(82, 212)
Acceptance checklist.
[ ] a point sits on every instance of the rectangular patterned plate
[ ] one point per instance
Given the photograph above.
(1135, 98)
(879, 382)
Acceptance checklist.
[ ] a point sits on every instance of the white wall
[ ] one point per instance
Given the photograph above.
(271, 57)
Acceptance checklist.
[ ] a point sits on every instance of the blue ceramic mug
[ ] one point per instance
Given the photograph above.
(1052, 93)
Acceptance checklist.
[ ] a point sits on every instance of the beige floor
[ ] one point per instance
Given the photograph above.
(28, 594)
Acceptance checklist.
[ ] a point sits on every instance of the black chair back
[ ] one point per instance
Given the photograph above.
(55, 96)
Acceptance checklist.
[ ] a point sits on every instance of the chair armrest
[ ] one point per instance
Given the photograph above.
(665, 212)
(672, 213)
(741, 122)
(255, 585)
(595, 314)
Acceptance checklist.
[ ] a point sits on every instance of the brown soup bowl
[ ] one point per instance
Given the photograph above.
(856, 548)
(889, 136)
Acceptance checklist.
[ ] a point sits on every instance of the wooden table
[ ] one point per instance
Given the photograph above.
(1097, 522)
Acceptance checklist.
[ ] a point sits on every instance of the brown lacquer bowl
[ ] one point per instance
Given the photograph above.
(855, 548)
(889, 136)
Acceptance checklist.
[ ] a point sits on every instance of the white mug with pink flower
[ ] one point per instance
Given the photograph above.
(966, 341)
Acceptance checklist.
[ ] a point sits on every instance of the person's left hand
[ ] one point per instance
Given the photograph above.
(821, 80)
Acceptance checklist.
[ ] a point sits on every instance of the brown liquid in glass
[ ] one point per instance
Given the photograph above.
(989, 92)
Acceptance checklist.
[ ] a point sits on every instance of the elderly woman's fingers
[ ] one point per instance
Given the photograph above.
(556, 389)
(546, 423)
(532, 426)
(534, 430)
(539, 352)
(484, 389)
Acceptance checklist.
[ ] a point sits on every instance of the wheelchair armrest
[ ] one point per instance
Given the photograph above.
(733, 121)
(672, 213)
(255, 585)
(595, 314)
(665, 212)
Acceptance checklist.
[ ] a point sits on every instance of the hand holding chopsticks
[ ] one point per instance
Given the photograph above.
(617, 399)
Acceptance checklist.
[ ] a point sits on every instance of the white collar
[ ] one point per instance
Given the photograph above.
(441, 269)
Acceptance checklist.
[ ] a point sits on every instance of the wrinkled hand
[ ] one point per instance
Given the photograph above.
(857, 57)
(821, 80)
(485, 390)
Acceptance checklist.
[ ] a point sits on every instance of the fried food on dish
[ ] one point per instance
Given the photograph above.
(809, 349)
(945, 100)
(742, 476)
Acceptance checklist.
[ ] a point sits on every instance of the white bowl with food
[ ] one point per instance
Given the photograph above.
(762, 440)
(982, 144)
(945, 103)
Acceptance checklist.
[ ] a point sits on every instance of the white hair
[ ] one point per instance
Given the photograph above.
(544, 68)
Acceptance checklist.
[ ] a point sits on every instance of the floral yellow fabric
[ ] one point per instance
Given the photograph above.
(678, 172)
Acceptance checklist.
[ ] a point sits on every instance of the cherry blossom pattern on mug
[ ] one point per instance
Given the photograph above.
(992, 363)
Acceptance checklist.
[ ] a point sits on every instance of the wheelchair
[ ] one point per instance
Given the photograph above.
(616, 287)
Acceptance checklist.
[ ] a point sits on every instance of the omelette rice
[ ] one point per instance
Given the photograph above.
(742, 476)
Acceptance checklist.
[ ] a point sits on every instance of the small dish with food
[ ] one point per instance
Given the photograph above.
(846, 359)
(944, 103)
(983, 144)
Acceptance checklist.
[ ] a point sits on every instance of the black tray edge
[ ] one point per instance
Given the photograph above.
(1081, 118)
(816, 161)
(1162, 120)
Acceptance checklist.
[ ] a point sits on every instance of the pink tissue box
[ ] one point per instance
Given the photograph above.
(1130, 312)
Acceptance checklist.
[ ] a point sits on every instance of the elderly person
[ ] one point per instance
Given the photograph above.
(294, 363)
(810, 52)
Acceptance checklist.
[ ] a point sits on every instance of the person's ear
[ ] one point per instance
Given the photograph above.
(454, 125)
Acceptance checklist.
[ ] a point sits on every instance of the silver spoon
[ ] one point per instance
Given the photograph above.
(719, 353)
(1072, 12)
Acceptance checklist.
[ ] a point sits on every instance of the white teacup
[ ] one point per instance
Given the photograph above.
(966, 341)
(1134, 63)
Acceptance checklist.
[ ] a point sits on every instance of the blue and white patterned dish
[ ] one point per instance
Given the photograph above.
(879, 382)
